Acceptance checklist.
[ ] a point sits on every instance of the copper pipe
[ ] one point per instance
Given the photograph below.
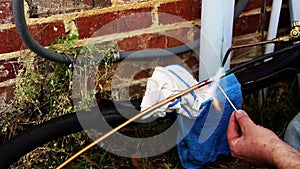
(243, 46)
(275, 40)
(148, 110)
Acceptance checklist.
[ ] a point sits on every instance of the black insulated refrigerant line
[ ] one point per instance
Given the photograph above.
(36, 47)
(30, 42)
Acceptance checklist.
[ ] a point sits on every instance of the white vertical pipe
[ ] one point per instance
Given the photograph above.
(294, 10)
(273, 24)
(295, 16)
(272, 33)
(216, 35)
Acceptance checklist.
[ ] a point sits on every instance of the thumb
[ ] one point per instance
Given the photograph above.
(243, 120)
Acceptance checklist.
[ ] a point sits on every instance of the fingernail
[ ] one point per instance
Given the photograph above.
(239, 113)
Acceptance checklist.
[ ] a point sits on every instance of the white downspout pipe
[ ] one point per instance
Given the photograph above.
(273, 24)
(215, 40)
(294, 10)
(216, 35)
(272, 33)
(295, 16)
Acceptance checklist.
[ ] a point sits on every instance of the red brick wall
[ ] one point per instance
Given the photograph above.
(92, 15)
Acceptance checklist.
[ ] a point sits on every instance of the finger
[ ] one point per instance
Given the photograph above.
(243, 120)
(233, 128)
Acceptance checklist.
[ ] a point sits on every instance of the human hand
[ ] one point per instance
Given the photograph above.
(250, 142)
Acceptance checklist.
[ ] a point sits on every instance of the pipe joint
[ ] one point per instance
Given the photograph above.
(295, 32)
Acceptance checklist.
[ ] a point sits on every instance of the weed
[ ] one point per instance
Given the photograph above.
(66, 45)
(44, 88)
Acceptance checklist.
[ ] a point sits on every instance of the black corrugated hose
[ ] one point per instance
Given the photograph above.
(32, 44)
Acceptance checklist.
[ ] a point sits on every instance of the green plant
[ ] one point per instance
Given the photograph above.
(66, 45)
(28, 91)
(44, 88)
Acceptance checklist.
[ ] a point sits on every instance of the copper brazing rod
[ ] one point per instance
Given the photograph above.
(146, 111)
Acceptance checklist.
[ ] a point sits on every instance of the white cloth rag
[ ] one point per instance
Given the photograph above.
(167, 81)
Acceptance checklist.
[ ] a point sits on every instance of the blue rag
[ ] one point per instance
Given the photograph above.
(206, 140)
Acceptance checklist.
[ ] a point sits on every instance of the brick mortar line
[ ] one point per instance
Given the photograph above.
(153, 29)
(255, 11)
(70, 26)
(11, 55)
(76, 15)
(258, 10)
(155, 17)
(8, 83)
(114, 2)
(137, 5)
